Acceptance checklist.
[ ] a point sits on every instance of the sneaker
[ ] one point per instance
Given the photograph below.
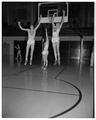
(44, 68)
(59, 62)
(30, 63)
(25, 63)
(55, 62)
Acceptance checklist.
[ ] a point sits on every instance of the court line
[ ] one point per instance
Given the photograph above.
(73, 106)
(69, 109)
(41, 90)
(59, 73)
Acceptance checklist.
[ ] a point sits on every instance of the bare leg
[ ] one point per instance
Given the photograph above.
(20, 58)
(44, 57)
(46, 60)
(55, 54)
(31, 56)
(27, 51)
(43, 61)
(17, 57)
(58, 52)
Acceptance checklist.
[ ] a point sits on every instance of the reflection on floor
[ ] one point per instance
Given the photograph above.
(64, 91)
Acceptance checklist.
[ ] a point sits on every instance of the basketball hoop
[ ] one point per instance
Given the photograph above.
(48, 9)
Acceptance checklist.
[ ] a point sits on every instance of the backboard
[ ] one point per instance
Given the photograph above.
(47, 10)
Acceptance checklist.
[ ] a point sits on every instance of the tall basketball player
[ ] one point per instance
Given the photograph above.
(31, 40)
(56, 27)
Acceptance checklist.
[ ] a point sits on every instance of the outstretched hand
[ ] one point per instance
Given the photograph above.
(54, 14)
(40, 18)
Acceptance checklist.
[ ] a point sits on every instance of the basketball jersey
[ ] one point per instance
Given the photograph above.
(55, 37)
(56, 33)
(31, 37)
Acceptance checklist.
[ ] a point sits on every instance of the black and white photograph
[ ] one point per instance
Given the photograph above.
(47, 59)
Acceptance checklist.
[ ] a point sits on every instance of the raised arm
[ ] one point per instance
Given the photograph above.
(16, 47)
(50, 19)
(24, 29)
(53, 19)
(62, 20)
(38, 23)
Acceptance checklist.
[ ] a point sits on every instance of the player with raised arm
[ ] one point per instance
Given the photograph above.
(55, 38)
(31, 40)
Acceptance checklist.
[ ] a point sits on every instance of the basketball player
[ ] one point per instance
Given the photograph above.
(56, 27)
(19, 57)
(31, 40)
(45, 52)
